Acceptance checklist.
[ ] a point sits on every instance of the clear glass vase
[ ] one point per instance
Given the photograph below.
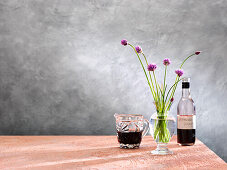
(162, 129)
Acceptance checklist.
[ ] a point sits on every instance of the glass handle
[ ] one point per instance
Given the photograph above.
(146, 128)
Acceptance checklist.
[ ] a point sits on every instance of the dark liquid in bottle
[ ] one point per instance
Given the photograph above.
(186, 136)
(129, 137)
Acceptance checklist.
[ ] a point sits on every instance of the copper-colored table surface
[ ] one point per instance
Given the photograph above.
(99, 152)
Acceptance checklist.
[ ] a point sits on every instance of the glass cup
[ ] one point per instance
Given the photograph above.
(130, 129)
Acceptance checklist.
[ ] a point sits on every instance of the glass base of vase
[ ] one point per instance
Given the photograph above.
(162, 149)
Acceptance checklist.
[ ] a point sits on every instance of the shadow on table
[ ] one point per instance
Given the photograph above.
(104, 156)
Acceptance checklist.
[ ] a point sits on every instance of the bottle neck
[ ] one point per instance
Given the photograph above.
(186, 92)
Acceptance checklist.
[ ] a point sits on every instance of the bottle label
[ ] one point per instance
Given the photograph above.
(186, 121)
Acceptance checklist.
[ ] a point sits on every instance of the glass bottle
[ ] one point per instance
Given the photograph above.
(186, 116)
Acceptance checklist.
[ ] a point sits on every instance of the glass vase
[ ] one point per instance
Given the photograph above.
(162, 127)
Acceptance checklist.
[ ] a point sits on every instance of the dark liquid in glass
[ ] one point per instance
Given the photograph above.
(129, 137)
(186, 136)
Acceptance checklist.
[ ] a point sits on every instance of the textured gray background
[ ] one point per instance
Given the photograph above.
(63, 70)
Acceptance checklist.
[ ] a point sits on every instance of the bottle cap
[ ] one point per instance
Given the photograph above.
(185, 83)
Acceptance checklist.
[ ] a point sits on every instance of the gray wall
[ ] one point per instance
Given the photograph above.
(63, 70)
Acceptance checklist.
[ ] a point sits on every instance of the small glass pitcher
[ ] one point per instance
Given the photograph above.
(130, 129)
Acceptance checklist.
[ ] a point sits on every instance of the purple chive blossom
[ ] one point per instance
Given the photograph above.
(172, 99)
(197, 52)
(166, 61)
(138, 49)
(151, 67)
(124, 42)
(179, 72)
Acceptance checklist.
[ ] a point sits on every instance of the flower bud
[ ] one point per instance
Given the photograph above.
(166, 62)
(124, 42)
(138, 49)
(179, 72)
(151, 67)
(172, 99)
